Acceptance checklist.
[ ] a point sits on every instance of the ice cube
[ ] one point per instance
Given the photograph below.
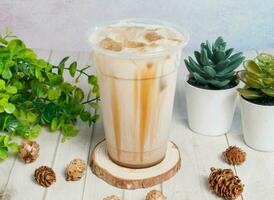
(152, 36)
(134, 44)
(111, 44)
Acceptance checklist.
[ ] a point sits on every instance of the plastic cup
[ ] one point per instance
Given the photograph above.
(137, 93)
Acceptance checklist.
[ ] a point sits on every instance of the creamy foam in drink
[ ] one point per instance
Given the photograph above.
(136, 65)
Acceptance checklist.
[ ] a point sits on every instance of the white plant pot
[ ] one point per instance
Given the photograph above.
(210, 112)
(258, 125)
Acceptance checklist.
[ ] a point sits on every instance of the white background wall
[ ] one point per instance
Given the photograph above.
(64, 24)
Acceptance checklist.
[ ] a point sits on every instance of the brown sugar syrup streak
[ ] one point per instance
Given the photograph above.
(116, 119)
(146, 88)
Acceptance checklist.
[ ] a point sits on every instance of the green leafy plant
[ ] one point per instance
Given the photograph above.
(214, 67)
(5, 146)
(258, 77)
(33, 93)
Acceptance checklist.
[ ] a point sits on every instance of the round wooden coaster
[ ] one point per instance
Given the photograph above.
(127, 178)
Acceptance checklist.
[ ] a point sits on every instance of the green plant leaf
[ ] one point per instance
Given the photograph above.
(199, 78)
(69, 131)
(55, 79)
(79, 94)
(49, 112)
(13, 146)
(2, 66)
(219, 55)
(6, 140)
(34, 132)
(32, 94)
(9, 108)
(27, 53)
(67, 88)
(11, 89)
(232, 66)
(54, 124)
(63, 61)
(252, 67)
(72, 68)
(92, 80)
(2, 84)
(268, 91)
(221, 65)
(16, 45)
(31, 117)
(235, 56)
(250, 94)
(85, 116)
(228, 53)
(193, 66)
(94, 105)
(54, 93)
(219, 84)
(198, 57)
(219, 43)
(204, 58)
(209, 71)
(3, 154)
(7, 73)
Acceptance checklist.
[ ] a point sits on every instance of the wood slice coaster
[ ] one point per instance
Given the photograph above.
(127, 178)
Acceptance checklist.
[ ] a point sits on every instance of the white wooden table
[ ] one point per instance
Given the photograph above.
(199, 153)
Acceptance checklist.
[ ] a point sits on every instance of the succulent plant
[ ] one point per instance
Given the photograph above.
(215, 65)
(258, 77)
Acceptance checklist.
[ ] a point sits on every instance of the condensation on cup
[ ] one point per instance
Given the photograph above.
(136, 63)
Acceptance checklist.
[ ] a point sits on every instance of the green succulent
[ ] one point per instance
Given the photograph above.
(215, 65)
(258, 77)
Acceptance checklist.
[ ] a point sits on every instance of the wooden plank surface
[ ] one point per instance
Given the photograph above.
(77, 147)
(96, 188)
(199, 153)
(20, 184)
(257, 172)
(7, 165)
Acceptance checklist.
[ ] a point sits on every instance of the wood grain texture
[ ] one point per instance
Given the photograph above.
(21, 177)
(257, 171)
(77, 147)
(199, 154)
(127, 178)
(96, 188)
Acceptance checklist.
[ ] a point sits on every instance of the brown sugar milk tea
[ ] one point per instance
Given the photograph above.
(136, 64)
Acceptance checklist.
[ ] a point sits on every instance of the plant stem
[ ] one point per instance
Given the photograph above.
(78, 70)
(94, 99)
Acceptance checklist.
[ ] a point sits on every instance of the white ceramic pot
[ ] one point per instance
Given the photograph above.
(210, 112)
(258, 125)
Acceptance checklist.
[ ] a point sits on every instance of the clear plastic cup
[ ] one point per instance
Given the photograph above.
(137, 92)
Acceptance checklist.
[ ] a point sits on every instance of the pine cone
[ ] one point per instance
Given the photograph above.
(75, 170)
(225, 184)
(29, 151)
(234, 155)
(4, 196)
(112, 197)
(44, 176)
(155, 195)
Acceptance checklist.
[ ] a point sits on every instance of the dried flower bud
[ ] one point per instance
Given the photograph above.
(75, 170)
(44, 176)
(112, 197)
(29, 151)
(155, 195)
(234, 155)
(225, 184)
